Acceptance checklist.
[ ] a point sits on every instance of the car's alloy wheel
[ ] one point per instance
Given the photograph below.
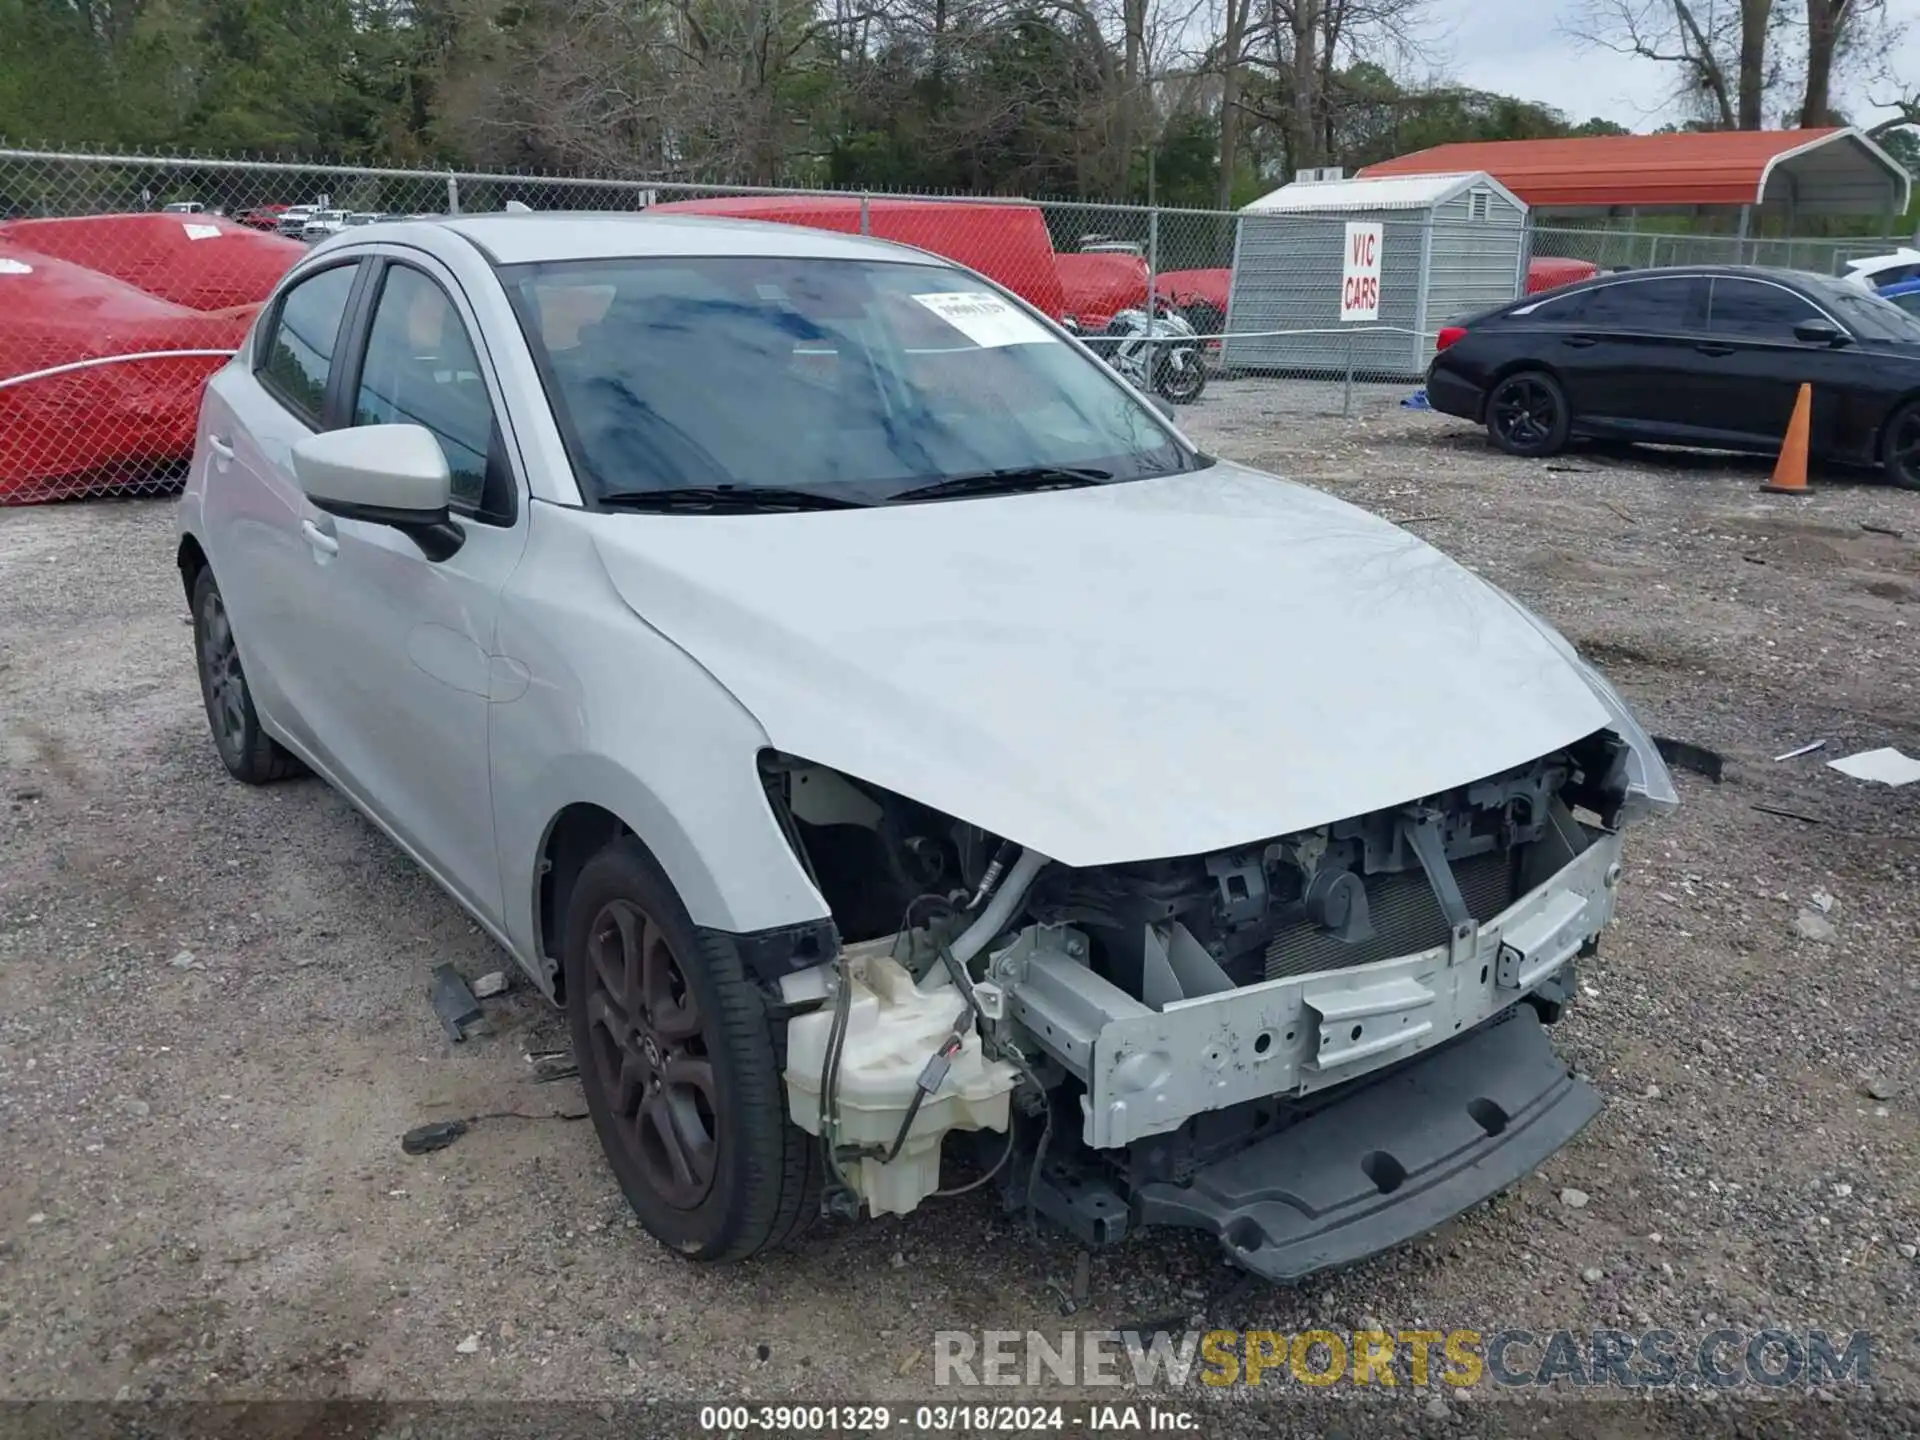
(1903, 447)
(650, 1054)
(681, 1066)
(249, 753)
(1527, 414)
(226, 685)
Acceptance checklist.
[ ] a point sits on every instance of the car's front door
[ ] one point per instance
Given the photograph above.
(406, 643)
(1755, 367)
(1630, 351)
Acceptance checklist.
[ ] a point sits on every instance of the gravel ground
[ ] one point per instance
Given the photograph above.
(213, 1027)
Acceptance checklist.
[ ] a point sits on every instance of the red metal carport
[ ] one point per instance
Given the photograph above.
(1785, 172)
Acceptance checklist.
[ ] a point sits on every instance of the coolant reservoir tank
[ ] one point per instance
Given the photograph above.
(893, 1029)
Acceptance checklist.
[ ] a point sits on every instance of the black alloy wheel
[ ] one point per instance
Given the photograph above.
(1902, 450)
(650, 1055)
(1527, 414)
(248, 752)
(681, 1057)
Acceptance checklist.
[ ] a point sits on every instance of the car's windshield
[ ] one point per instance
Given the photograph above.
(1869, 317)
(855, 379)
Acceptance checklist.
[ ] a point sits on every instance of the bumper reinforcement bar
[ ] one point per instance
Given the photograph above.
(1391, 1160)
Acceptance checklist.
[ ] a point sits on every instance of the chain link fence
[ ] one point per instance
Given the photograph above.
(126, 280)
(1631, 249)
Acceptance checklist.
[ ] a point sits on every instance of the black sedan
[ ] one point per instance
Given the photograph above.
(1711, 356)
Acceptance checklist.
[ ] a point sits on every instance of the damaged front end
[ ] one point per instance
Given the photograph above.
(1315, 1046)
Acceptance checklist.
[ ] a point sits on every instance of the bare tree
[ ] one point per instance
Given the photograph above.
(1302, 46)
(691, 89)
(1719, 47)
(1906, 114)
(1231, 56)
(1826, 24)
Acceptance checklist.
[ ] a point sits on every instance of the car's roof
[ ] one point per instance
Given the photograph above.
(557, 235)
(1748, 272)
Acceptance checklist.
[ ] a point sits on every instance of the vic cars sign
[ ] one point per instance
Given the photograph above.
(1360, 274)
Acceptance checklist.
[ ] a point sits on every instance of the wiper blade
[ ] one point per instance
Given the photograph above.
(733, 499)
(1006, 482)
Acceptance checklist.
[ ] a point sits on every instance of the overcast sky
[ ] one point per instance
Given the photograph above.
(1515, 47)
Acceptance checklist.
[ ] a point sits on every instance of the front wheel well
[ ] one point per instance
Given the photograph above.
(191, 560)
(1525, 363)
(577, 834)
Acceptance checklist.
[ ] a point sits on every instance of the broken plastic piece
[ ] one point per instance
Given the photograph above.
(1688, 756)
(1807, 749)
(424, 1139)
(1886, 765)
(453, 1002)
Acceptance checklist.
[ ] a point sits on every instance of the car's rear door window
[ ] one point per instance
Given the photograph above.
(1755, 310)
(1554, 309)
(1666, 305)
(297, 357)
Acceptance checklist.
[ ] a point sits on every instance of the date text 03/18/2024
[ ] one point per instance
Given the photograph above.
(959, 1418)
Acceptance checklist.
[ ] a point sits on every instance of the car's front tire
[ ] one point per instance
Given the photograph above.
(249, 753)
(1527, 415)
(681, 1067)
(1900, 451)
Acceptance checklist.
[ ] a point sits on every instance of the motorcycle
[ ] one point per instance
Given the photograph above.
(1161, 354)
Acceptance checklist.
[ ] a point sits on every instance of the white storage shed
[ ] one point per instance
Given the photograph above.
(1451, 245)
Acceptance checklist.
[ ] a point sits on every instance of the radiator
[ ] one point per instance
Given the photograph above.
(1405, 917)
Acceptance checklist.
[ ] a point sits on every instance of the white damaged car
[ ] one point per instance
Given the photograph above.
(914, 767)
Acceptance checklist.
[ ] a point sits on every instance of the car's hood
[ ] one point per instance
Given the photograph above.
(1124, 672)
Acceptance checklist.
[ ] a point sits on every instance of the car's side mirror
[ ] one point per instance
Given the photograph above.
(1820, 332)
(385, 475)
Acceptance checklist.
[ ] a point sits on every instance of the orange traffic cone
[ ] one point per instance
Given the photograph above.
(1790, 473)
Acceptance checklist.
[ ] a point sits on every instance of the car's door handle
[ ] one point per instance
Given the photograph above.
(1581, 342)
(220, 447)
(1714, 349)
(320, 540)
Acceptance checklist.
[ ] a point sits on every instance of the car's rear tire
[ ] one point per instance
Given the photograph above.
(249, 753)
(1900, 451)
(681, 1067)
(1527, 415)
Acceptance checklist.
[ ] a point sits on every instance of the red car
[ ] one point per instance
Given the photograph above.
(262, 217)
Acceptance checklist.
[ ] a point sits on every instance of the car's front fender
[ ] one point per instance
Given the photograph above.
(612, 714)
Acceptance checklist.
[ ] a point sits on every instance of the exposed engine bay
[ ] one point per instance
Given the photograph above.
(1104, 1036)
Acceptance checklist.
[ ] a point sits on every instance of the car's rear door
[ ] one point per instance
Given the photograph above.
(1628, 356)
(255, 411)
(1755, 366)
(406, 643)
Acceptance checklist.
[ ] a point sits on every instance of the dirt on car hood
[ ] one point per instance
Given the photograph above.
(1123, 672)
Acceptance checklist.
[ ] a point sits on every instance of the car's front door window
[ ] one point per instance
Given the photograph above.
(1752, 310)
(421, 369)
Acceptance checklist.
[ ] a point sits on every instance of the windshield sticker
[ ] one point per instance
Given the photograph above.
(985, 319)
